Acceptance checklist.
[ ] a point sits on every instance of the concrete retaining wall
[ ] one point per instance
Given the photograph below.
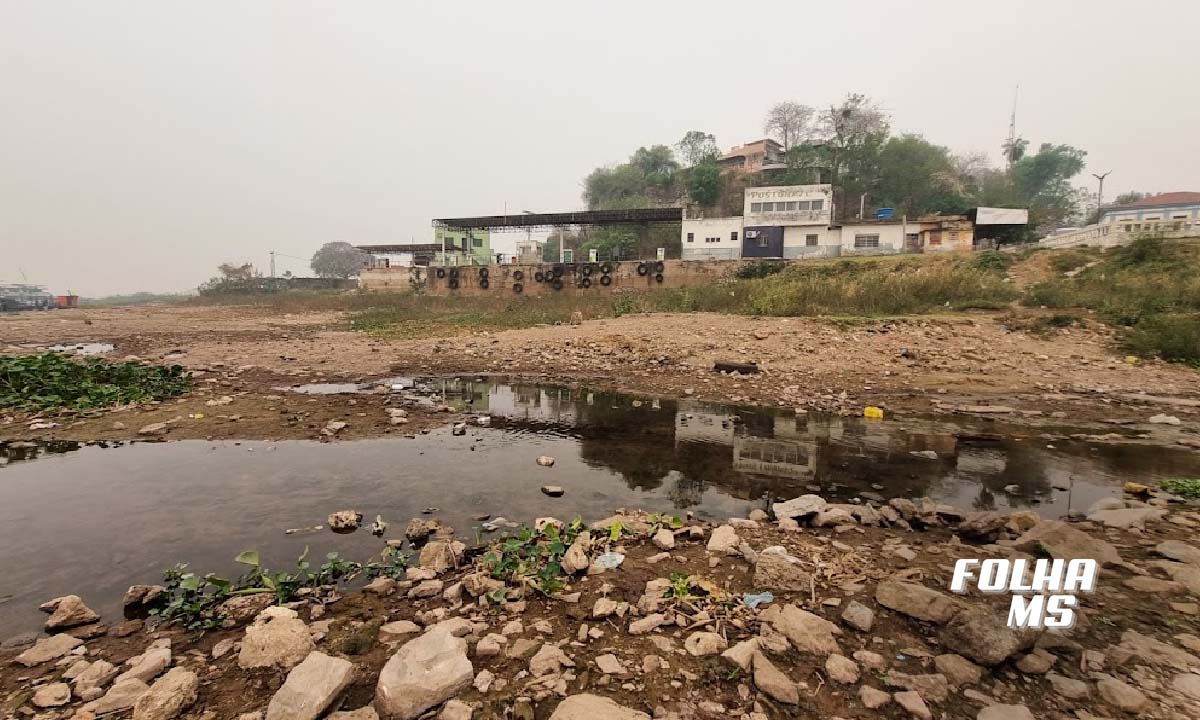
(502, 279)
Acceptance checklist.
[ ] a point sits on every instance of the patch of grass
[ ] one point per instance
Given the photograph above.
(1183, 487)
(760, 269)
(1149, 289)
(1070, 260)
(52, 381)
(993, 260)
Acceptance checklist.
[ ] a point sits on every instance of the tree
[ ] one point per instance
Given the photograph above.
(338, 260)
(1015, 149)
(1042, 182)
(789, 122)
(854, 134)
(917, 177)
(697, 147)
(1129, 198)
(229, 271)
(648, 178)
(704, 183)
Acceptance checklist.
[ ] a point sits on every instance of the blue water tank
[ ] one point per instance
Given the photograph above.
(885, 213)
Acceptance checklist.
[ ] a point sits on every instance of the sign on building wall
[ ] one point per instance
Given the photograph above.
(1001, 216)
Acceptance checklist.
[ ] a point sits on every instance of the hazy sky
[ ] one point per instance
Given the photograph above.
(144, 142)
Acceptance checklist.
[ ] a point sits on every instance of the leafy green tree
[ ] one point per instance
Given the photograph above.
(704, 183)
(338, 260)
(917, 177)
(649, 178)
(697, 147)
(855, 132)
(1042, 182)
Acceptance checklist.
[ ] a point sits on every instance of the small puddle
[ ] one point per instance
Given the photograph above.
(83, 348)
(92, 519)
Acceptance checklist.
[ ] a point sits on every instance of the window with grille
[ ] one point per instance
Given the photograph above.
(866, 241)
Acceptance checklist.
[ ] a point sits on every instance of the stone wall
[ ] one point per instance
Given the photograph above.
(501, 280)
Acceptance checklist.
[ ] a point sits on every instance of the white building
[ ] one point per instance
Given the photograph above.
(1165, 212)
(712, 238)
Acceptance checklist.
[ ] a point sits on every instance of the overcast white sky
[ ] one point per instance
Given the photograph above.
(144, 142)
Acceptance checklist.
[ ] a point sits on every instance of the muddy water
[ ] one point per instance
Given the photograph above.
(94, 519)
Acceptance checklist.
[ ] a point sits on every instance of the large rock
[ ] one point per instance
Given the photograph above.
(591, 707)
(278, 638)
(89, 682)
(858, 616)
(1122, 695)
(1005, 712)
(724, 541)
(773, 682)
(238, 610)
(1177, 550)
(699, 644)
(424, 672)
(915, 601)
(780, 572)
(957, 669)
(52, 695)
(46, 649)
(310, 688)
(141, 595)
(149, 664)
(441, 555)
(980, 634)
(807, 632)
(1128, 517)
(1061, 541)
(576, 558)
(1147, 650)
(121, 696)
(68, 611)
(168, 696)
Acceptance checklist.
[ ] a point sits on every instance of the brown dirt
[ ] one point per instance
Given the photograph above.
(926, 365)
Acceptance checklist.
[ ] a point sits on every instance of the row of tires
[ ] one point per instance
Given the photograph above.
(553, 277)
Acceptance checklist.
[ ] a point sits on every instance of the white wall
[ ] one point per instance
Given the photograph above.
(755, 197)
(891, 238)
(795, 241)
(726, 248)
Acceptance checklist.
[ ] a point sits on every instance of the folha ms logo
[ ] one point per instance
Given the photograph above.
(1043, 598)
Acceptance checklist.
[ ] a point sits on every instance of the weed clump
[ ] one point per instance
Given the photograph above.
(52, 381)
(1188, 488)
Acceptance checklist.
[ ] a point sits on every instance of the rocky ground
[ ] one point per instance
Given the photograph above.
(656, 618)
(960, 363)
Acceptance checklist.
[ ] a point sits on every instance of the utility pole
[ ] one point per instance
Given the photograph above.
(1100, 191)
(1012, 128)
(272, 264)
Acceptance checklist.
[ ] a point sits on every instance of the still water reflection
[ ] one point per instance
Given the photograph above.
(94, 519)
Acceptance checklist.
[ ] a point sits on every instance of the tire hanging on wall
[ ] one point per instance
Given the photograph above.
(557, 284)
(588, 270)
(440, 272)
(538, 276)
(483, 283)
(642, 269)
(518, 275)
(658, 277)
(454, 272)
(518, 288)
(453, 283)
(659, 267)
(606, 268)
(558, 271)
(585, 283)
(483, 272)
(606, 280)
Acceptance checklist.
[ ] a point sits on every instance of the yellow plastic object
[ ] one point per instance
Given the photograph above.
(1131, 360)
(873, 413)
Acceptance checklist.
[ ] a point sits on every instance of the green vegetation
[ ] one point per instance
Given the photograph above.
(1148, 289)
(1069, 260)
(532, 558)
(760, 269)
(193, 600)
(993, 260)
(1188, 488)
(52, 381)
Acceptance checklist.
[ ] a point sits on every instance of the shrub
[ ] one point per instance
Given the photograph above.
(1068, 261)
(52, 381)
(993, 260)
(1173, 337)
(760, 269)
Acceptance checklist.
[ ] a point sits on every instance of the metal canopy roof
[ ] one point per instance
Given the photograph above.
(581, 217)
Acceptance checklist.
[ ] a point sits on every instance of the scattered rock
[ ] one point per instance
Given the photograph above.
(1121, 695)
(1005, 712)
(67, 612)
(149, 664)
(52, 695)
(141, 595)
(158, 428)
(121, 696)
(278, 638)
(553, 490)
(724, 541)
(978, 634)
(808, 633)
(344, 521)
(169, 696)
(957, 669)
(1061, 541)
(700, 644)
(915, 601)
(310, 688)
(591, 707)
(781, 573)
(545, 461)
(609, 664)
(872, 698)
(1069, 688)
(664, 539)
(841, 669)
(858, 616)
(647, 624)
(424, 673)
(912, 702)
(773, 682)
(47, 649)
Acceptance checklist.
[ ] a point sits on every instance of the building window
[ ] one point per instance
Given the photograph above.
(756, 207)
(811, 240)
(789, 206)
(477, 242)
(866, 241)
(1179, 217)
(733, 236)
(935, 237)
(762, 240)
(691, 237)
(817, 205)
